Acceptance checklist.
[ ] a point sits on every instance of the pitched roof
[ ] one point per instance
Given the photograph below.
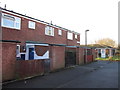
(101, 46)
(96, 46)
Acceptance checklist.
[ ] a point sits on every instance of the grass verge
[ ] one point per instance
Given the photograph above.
(114, 58)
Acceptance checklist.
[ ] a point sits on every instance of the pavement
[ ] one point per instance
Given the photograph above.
(100, 74)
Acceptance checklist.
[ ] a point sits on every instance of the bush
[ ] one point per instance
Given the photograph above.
(110, 58)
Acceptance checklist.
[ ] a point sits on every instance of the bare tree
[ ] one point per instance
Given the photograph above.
(106, 41)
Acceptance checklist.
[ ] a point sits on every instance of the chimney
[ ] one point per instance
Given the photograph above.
(5, 6)
(51, 23)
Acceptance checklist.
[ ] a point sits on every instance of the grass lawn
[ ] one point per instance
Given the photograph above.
(114, 58)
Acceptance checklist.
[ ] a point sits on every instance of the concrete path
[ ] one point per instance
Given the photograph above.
(100, 74)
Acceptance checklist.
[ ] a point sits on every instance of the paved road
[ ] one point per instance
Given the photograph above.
(100, 74)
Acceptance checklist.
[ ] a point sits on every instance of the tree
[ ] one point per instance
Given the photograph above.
(106, 41)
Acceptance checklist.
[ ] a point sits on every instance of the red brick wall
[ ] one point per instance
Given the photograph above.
(8, 61)
(27, 68)
(89, 58)
(57, 57)
(80, 56)
(77, 56)
(70, 49)
(0, 61)
(94, 54)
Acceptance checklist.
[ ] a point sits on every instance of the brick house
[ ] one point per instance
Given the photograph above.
(32, 47)
(30, 31)
(104, 51)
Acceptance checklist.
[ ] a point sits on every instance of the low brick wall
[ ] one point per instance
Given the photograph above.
(27, 68)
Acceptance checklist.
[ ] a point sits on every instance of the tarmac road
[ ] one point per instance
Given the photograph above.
(100, 74)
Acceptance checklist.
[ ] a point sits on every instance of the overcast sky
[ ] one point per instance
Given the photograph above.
(99, 16)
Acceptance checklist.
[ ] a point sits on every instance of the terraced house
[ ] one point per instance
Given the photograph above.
(32, 47)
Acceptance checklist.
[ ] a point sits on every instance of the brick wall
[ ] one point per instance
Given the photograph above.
(57, 57)
(90, 58)
(0, 62)
(94, 54)
(8, 61)
(80, 56)
(27, 68)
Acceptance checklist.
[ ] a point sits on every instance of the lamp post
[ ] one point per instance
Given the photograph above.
(86, 45)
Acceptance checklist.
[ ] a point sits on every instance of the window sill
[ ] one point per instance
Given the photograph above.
(49, 35)
(11, 28)
(31, 28)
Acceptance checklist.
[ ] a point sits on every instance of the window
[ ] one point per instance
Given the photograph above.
(18, 52)
(59, 32)
(70, 36)
(75, 36)
(31, 25)
(49, 31)
(78, 42)
(11, 21)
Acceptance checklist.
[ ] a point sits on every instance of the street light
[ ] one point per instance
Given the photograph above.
(86, 45)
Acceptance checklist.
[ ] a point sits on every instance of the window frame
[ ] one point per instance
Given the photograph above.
(31, 25)
(17, 20)
(49, 31)
(76, 36)
(18, 51)
(70, 37)
(60, 32)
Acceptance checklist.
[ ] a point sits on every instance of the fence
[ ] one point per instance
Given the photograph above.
(27, 68)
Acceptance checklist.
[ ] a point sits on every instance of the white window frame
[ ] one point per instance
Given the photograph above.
(70, 35)
(60, 32)
(78, 42)
(16, 20)
(18, 55)
(49, 31)
(31, 24)
(76, 36)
